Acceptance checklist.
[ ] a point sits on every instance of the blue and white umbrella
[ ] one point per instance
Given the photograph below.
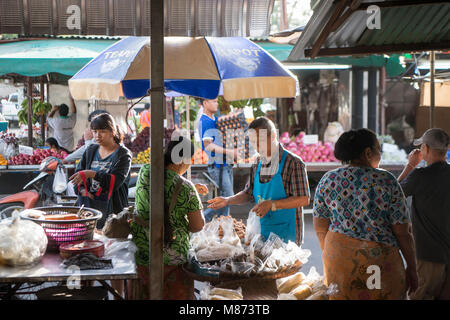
(202, 67)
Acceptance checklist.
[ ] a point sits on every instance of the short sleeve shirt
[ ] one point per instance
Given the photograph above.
(362, 203)
(188, 201)
(208, 131)
(63, 130)
(430, 210)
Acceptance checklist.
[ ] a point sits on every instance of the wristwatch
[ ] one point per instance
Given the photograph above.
(274, 207)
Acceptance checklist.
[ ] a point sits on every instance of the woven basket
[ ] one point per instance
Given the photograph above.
(66, 231)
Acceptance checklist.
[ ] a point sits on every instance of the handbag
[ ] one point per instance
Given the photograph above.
(118, 225)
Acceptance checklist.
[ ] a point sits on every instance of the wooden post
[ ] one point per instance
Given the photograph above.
(188, 127)
(432, 92)
(30, 110)
(156, 222)
(382, 86)
(43, 116)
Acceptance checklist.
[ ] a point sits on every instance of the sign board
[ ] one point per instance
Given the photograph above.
(311, 139)
(26, 150)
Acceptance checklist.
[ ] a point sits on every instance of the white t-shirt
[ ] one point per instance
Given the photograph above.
(63, 130)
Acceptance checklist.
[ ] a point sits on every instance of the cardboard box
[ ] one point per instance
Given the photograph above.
(442, 94)
(441, 119)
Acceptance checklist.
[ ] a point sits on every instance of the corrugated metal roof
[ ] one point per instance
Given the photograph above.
(405, 26)
(224, 18)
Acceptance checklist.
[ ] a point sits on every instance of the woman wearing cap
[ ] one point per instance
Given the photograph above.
(362, 222)
(429, 187)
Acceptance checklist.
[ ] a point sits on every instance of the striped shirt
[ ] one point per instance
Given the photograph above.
(295, 182)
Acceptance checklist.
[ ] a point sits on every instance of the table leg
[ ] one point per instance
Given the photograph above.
(111, 289)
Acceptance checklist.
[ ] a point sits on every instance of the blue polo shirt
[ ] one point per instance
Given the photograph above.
(207, 129)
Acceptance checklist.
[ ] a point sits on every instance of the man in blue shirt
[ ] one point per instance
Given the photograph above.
(218, 168)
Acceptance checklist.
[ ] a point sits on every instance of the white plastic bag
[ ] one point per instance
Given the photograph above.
(60, 181)
(22, 242)
(253, 227)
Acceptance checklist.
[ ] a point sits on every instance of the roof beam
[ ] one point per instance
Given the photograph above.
(401, 3)
(391, 48)
(329, 27)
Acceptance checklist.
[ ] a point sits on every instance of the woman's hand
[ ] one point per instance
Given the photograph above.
(262, 208)
(412, 280)
(201, 188)
(76, 178)
(218, 203)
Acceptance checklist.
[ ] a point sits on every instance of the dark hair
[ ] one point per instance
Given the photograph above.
(106, 121)
(63, 110)
(182, 143)
(351, 144)
(263, 123)
(96, 113)
(53, 142)
(147, 106)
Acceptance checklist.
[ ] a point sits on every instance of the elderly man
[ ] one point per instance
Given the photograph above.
(430, 191)
(278, 184)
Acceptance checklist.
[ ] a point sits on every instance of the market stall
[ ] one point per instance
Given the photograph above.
(59, 244)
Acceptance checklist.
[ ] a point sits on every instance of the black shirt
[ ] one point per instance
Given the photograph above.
(430, 211)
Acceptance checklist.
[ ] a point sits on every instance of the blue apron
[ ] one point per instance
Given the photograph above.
(281, 222)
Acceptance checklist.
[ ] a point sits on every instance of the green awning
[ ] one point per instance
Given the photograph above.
(392, 62)
(34, 58)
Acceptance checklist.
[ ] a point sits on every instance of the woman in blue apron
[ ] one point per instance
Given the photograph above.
(281, 222)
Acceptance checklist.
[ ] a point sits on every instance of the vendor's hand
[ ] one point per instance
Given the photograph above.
(201, 188)
(262, 208)
(218, 203)
(412, 281)
(76, 178)
(414, 158)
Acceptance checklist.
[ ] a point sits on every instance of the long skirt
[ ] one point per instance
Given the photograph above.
(363, 270)
(177, 285)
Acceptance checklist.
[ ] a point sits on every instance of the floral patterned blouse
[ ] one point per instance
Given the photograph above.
(361, 203)
(188, 201)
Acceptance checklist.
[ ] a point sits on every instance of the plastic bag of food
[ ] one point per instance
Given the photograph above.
(60, 181)
(286, 284)
(313, 279)
(22, 242)
(229, 234)
(212, 293)
(253, 227)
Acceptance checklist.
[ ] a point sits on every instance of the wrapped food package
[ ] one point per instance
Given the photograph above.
(22, 242)
(212, 293)
(33, 214)
(285, 285)
(302, 292)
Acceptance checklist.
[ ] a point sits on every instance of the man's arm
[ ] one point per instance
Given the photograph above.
(212, 147)
(414, 159)
(52, 113)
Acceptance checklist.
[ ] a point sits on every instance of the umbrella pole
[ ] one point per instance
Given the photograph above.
(432, 92)
(30, 110)
(188, 127)
(156, 221)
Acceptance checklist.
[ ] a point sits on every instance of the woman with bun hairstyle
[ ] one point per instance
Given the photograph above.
(101, 177)
(362, 223)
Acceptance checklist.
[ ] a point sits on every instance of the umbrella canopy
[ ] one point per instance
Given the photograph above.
(203, 67)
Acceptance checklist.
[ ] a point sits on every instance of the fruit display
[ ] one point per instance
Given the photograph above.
(3, 161)
(317, 152)
(142, 141)
(8, 144)
(200, 157)
(37, 157)
(142, 157)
